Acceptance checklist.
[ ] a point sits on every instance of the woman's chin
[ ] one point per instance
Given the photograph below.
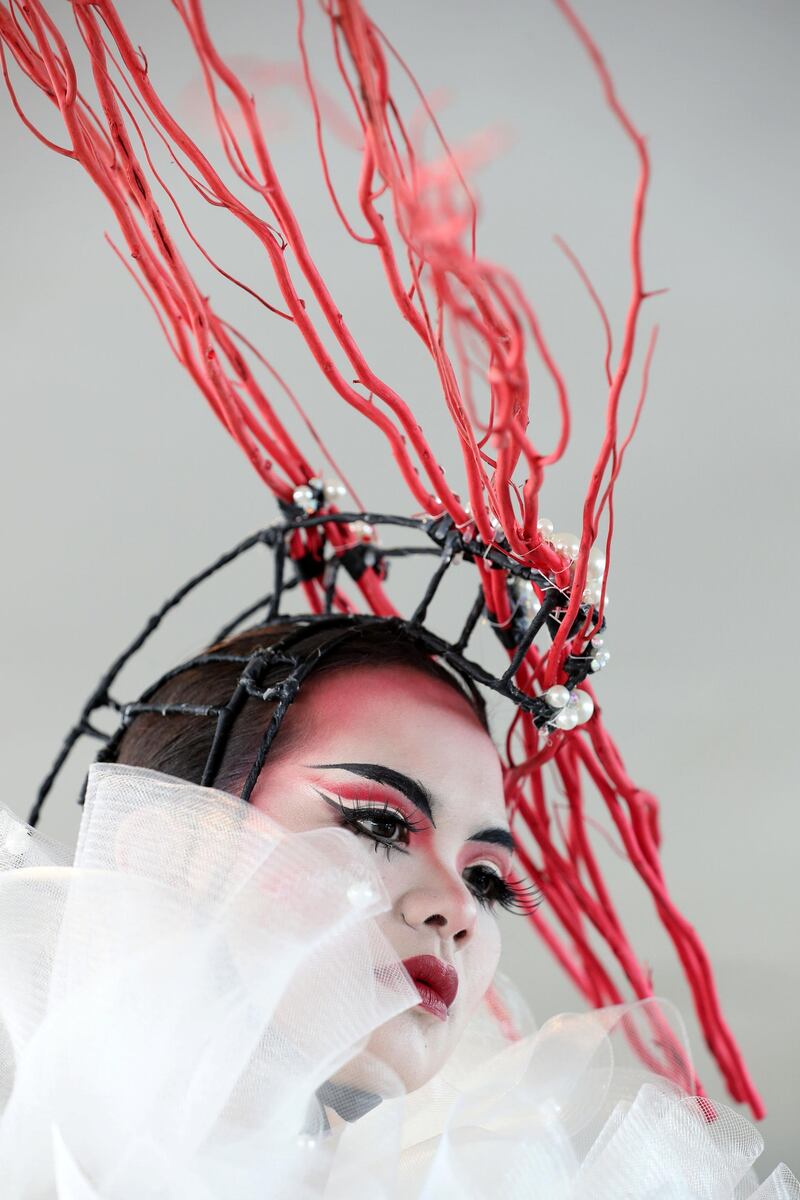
(413, 1046)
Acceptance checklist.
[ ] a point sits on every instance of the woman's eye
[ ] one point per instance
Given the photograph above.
(485, 883)
(380, 824)
(490, 888)
(384, 828)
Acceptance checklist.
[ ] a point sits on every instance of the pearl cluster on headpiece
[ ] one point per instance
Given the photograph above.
(569, 544)
(319, 493)
(600, 656)
(569, 708)
(313, 495)
(529, 604)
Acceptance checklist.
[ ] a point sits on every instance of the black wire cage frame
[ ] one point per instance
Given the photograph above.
(437, 537)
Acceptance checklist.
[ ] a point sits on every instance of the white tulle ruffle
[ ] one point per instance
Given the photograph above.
(174, 1004)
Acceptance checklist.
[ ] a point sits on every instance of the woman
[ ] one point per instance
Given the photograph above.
(270, 969)
(385, 743)
(294, 997)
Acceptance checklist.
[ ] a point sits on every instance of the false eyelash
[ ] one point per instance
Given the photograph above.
(514, 895)
(522, 898)
(350, 815)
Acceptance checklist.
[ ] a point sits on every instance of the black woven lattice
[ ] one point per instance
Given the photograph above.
(437, 537)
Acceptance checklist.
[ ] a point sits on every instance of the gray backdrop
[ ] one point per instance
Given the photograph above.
(117, 482)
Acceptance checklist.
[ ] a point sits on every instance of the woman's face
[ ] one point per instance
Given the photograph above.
(400, 760)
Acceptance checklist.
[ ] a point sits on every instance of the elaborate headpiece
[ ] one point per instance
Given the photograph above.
(474, 320)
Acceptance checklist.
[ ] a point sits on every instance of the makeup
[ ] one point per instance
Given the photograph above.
(436, 981)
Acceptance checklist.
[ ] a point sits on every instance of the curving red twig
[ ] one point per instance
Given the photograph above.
(481, 332)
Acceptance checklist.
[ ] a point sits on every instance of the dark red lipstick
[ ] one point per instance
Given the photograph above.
(437, 983)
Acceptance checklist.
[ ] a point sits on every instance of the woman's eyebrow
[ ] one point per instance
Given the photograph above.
(496, 836)
(414, 791)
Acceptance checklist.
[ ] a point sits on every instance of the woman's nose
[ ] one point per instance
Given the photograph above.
(444, 904)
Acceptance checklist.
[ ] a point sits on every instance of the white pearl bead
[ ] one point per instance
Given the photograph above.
(566, 543)
(557, 696)
(361, 893)
(584, 705)
(333, 490)
(597, 642)
(566, 719)
(16, 841)
(596, 563)
(591, 593)
(305, 498)
(601, 659)
(545, 528)
(362, 529)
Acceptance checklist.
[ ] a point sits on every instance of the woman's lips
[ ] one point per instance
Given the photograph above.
(437, 983)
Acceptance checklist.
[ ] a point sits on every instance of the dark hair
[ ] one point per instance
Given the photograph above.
(179, 744)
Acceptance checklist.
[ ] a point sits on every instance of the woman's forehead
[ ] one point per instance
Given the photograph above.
(399, 717)
(365, 701)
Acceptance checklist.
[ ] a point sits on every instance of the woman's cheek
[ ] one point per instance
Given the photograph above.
(481, 958)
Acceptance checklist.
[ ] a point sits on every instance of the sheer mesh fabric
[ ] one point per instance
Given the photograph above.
(185, 1013)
